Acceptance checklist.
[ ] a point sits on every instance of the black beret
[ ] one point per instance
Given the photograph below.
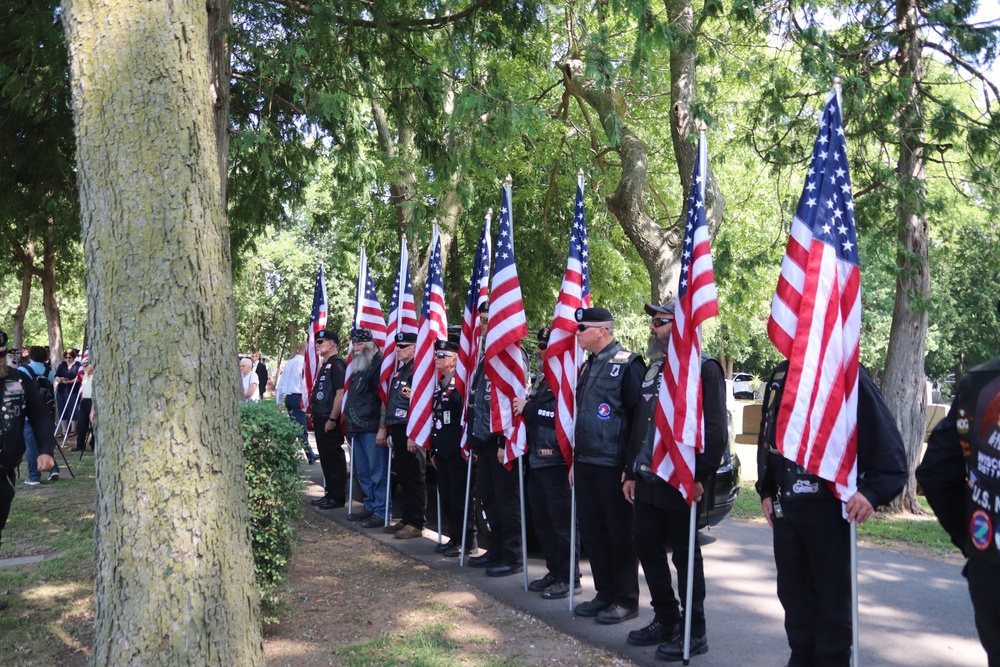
(328, 334)
(665, 309)
(361, 335)
(594, 315)
(406, 337)
(446, 346)
(543, 334)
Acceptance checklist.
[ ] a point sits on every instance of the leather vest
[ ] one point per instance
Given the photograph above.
(323, 392)
(601, 422)
(543, 446)
(643, 428)
(12, 415)
(364, 408)
(446, 431)
(478, 420)
(978, 425)
(397, 406)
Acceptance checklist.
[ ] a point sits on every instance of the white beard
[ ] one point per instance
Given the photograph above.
(363, 361)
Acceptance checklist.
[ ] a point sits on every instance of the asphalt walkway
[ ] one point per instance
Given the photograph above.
(914, 612)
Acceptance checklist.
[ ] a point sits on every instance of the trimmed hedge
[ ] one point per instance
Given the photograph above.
(271, 455)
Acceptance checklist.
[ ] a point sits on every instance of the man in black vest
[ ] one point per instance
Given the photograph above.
(960, 476)
(606, 398)
(325, 400)
(362, 414)
(662, 516)
(446, 452)
(548, 484)
(410, 458)
(20, 400)
(499, 493)
(812, 549)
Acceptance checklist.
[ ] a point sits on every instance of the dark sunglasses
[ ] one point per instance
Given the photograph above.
(584, 327)
(442, 355)
(403, 346)
(660, 321)
(542, 347)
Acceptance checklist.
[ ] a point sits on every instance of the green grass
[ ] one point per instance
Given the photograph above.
(49, 604)
(427, 646)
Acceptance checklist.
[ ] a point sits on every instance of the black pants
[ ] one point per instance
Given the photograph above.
(551, 499)
(6, 496)
(411, 473)
(83, 427)
(451, 476)
(657, 528)
(332, 460)
(500, 497)
(812, 553)
(984, 588)
(605, 519)
(293, 403)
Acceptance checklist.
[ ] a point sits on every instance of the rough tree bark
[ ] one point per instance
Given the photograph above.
(903, 384)
(17, 328)
(175, 582)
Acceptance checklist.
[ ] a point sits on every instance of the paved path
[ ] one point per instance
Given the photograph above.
(914, 612)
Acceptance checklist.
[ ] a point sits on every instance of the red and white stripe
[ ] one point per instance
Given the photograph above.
(433, 327)
(472, 328)
(317, 322)
(504, 359)
(402, 319)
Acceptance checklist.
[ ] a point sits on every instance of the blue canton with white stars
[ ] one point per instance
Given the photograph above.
(505, 245)
(695, 220)
(827, 206)
(434, 274)
(579, 247)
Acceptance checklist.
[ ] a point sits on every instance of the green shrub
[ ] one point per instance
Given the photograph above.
(270, 453)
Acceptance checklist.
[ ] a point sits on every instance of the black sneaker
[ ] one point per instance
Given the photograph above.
(654, 633)
(486, 560)
(359, 516)
(592, 608)
(319, 501)
(673, 651)
(539, 585)
(456, 550)
(444, 546)
(617, 613)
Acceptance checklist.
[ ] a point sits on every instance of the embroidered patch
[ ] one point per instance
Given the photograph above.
(604, 412)
(401, 413)
(406, 391)
(962, 422)
(980, 530)
(621, 357)
(651, 374)
(319, 395)
(447, 418)
(804, 486)
(438, 424)
(616, 370)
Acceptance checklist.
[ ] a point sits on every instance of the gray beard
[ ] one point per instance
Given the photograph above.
(653, 348)
(363, 361)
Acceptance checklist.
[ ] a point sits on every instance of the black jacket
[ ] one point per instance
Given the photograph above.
(20, 399)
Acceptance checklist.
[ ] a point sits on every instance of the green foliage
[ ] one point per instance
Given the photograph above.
(271, 447)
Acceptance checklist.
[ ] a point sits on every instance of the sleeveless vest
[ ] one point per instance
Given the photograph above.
(446, 432)
(397, 407)
(978, 425)
(478, 420)
(364, 407)
(323, 391)
(600, 413)
(543, 446)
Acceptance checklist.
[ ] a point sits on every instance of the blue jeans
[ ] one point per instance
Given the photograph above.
(293, 403)
(371, 465)
(31, 455)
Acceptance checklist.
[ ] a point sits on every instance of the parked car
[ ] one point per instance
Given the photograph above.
(743, 386)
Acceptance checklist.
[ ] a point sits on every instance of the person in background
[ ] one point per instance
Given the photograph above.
(291, 388)
(249, 382)
(67, 385)
(35, 369)
(86, 409)
(261, 370)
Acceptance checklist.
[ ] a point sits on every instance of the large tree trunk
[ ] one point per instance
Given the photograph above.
(220, 19)
(17, 324)
(903, 384)
(174, 582)
(50, 305)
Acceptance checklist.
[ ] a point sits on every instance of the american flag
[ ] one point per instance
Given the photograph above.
(680, 421)
(402, 319)
(317, 322)
(563, 357)
(507, 326)
(472, 328)
(367, 315)
(433, 327)
(816, 317)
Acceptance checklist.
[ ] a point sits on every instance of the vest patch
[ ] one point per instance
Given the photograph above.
(980, 530)
(616, 370)
(620, 357)
(405, 391)
(604, 412)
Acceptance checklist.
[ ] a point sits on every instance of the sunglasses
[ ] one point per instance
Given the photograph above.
(583, 327)
(442, 355)
(403, 346)
(542, 347)
(660, 321)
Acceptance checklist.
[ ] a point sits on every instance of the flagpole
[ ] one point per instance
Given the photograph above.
(388, 485)
(855, 655)
(465, 512)
(350, 476)
(524, 528)
(688, 594)
(438, 490)
(569, 466)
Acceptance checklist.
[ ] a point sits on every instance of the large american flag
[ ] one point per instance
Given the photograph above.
(563, 357)
(507, 325)
(367, 315)
(317, 322)
(472, 328)
(433, 327)
(816, 317)
(680, 420)
(402, 319)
